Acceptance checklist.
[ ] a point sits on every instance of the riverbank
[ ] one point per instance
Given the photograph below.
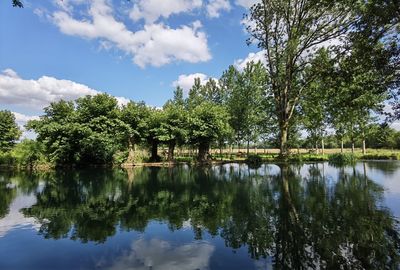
(299, 156)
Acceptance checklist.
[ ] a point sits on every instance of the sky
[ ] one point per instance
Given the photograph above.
(134, 50)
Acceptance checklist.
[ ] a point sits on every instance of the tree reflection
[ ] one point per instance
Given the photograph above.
(301, 222)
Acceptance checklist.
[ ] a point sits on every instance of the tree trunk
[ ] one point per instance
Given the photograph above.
(316, 148)
(284, 147)
(323, 146)
(248, 147)
(220, 152)
(131, 151)
(364, 150)
(352, 147)
(171, 148)
(154, 148)
(341, 146)
(204, 148)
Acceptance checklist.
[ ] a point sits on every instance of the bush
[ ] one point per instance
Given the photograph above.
(342, 159)
(253, 159)
(392, 156)
(120, 157)
(296, 158)
(28, 153)
(6, 159)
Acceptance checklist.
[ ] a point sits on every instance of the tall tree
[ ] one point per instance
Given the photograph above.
(290, 32)
(245, 102)
(207, 122)
(314, 102)
(9, 130)
(135, 114)
(173, 129)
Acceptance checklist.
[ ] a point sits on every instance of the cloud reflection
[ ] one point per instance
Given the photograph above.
(159, 254)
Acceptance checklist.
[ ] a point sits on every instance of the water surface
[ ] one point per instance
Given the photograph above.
(312, 216)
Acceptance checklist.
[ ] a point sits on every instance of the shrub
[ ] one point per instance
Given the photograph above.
(342, 159)
(380, 156)
(253, 159)
(296, 158)
(120, 157)
(6, 159)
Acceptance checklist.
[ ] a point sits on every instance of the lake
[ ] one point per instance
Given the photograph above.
(310, 216)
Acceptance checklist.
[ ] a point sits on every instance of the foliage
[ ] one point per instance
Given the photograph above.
(253, 160)
(342, 159)
(289, 49)
(91, 133)
(207, 122)
(28, 153)
(9, 130)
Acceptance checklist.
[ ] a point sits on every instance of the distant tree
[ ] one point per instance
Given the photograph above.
(207, 122)
(135, 114)
(9, 130)
(245, 102)
(314, 103)
(173, 128)
(153, 131)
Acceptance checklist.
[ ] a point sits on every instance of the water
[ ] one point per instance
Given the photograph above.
(311, 216)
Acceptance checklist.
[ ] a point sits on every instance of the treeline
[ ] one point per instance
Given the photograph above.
(331, 68)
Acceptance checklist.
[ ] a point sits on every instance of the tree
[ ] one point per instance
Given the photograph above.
(207, 122)
(173, 127)
(290, 32)
(9, 130)
(135, 114)
(314, 102)
(88, 133)
(153, 131)
(245, 101)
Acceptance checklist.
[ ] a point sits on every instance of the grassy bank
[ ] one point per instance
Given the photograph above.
(24, 157)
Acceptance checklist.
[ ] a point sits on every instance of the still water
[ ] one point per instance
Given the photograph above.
(312, 216)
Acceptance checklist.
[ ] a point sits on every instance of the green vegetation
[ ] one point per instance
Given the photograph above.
(333, 94)
(342, 159)
(9, 131)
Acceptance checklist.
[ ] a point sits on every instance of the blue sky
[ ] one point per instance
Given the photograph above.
(138, 49)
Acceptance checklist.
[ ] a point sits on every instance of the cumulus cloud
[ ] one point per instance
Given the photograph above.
(152, 10)
(214, 7)
(159, 254)
(36, 94)
(240, 64)
(186, 81)
(156, 44)
(246, 3)
(22, 119)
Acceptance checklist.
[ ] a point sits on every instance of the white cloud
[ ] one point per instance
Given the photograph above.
(215, 6)
(22, 119)
(155, 44)
(186, 81)
(36, 94)
(152, 10)
(240, 64)
(159, 254)
(246, 3)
